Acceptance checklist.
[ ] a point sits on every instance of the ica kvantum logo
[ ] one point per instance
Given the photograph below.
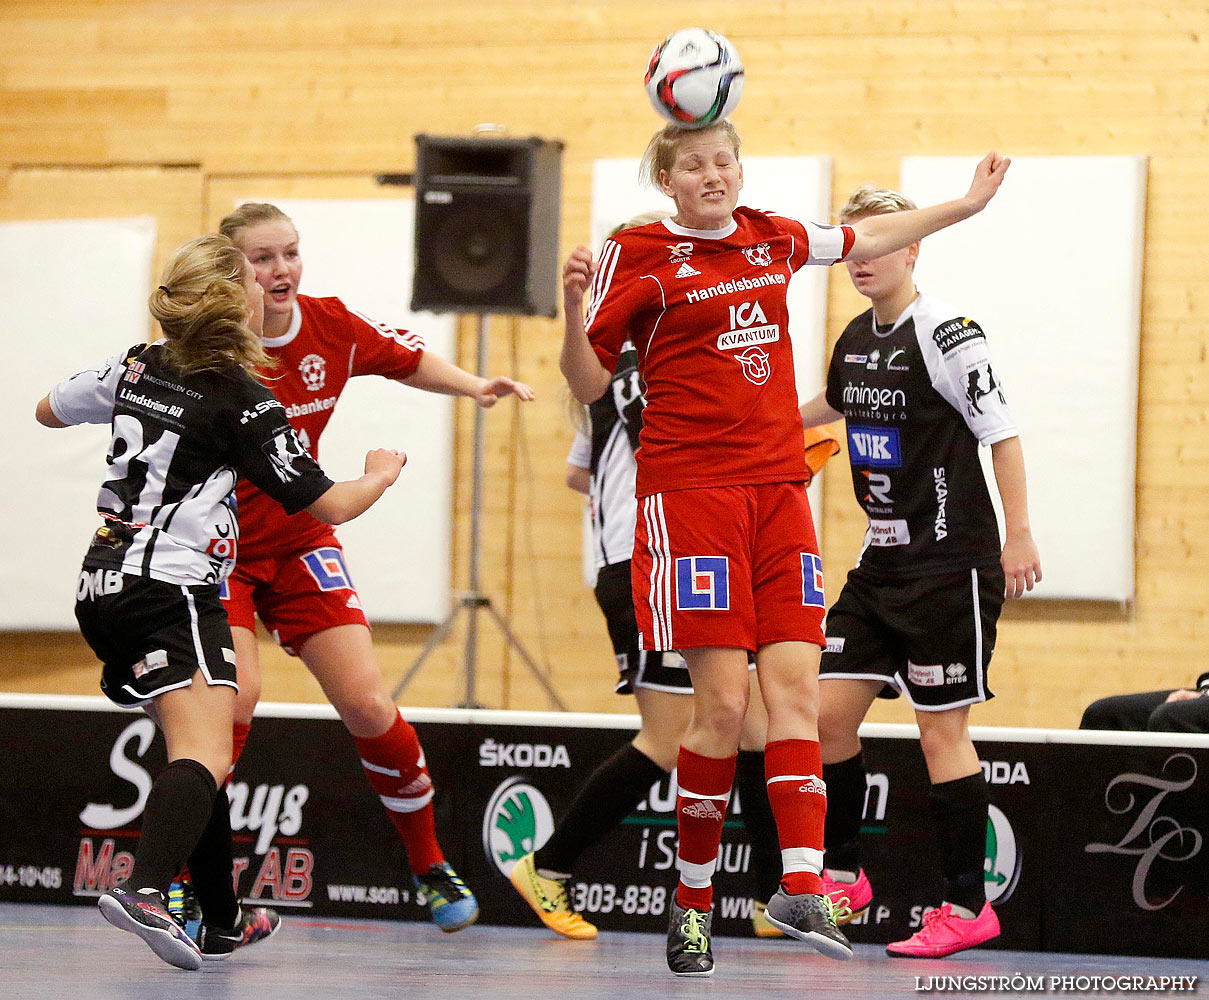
(518, 819)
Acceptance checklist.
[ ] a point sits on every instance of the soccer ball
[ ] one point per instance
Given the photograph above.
(694, 78)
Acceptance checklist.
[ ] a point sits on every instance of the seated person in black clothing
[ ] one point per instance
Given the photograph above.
(1184, 710)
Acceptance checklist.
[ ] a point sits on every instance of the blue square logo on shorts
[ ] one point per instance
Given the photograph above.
(702, 583)
(327, 567)
(812, 581)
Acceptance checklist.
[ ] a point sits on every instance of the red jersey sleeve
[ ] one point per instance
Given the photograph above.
(383, 350)
(623, 306)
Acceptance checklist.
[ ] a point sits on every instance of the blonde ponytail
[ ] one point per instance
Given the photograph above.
(202, 307)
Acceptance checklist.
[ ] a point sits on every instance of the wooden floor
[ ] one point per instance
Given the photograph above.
(69, 951)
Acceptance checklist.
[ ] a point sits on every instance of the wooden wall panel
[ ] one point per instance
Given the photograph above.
(340, 90)
(171, 194)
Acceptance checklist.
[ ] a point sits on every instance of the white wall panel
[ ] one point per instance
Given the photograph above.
(72, 293)
(1052, 270)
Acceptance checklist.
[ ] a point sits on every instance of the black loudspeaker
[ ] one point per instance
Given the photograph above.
(487, 225)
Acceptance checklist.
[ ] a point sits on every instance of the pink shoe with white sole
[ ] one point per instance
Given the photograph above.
(944, 933)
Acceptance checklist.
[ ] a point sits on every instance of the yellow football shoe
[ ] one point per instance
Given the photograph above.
(549, 900)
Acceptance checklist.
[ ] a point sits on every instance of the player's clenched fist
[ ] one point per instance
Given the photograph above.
(577, 275)
(386, 462)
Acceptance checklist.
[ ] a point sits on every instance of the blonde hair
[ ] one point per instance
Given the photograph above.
(202, 307)
(870, 200)
(250, 213)
(661, 151)
(577, 413)
(644, 219)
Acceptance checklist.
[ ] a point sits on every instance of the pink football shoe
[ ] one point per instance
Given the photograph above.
(944, 933)
(851, 899)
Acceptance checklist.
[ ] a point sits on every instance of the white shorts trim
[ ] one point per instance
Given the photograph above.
(660, 584)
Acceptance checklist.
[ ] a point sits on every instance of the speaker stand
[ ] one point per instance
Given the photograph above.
(473, 600)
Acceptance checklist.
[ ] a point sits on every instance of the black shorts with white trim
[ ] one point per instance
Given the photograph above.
(153, 636)
(637, 668)
(930, 637)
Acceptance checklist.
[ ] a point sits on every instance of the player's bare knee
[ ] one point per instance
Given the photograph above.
(793, 706)
(940, 740)
(722, 715)
(835, 726)
(368, 713)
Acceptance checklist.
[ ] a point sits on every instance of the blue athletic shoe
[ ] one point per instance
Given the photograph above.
(184, 906)
(450, 903)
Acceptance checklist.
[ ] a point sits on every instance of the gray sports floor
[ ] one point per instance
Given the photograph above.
(69, 951)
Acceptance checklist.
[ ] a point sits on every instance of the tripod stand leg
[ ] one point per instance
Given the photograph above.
(439, 634)
(473, 598)
(538, 673)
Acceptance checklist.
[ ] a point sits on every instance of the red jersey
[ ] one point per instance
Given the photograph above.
(707, 313)
(326, 345)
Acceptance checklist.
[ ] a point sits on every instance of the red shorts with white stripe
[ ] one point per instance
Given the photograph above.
(296, 595)
(734, 566)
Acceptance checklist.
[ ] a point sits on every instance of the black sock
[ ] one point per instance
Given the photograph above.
(960, 810)
(609, 796)
(210, 867)
(845, 781)
(759, 822)
(178, 808)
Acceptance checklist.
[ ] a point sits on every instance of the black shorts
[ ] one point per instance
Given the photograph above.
(638, 668)
(928, 637)
(151, 636)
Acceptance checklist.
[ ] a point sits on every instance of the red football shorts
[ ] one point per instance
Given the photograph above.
(296, 595)
(734, 566)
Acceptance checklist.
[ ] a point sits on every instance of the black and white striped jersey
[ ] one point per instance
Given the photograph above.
(918, 398)
(616, 422)
(178, 444)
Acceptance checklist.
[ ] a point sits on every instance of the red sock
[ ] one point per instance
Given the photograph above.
(239, 738)
(394, 764)
(799, 802)
(703, 788)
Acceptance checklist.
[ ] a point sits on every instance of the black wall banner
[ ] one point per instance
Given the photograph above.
(1090, 847)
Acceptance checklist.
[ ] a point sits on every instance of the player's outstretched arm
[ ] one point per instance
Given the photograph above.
(435, 374)
(346, 500)
(878, 235)
(818, 411)
(586, 376)
(46, 416)
(1021, 561)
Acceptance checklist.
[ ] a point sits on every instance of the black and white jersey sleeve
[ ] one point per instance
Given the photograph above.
(918, 399)
(959, 363)
(616, 422)
(87, 397)
(175, 447)
(266, 450)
